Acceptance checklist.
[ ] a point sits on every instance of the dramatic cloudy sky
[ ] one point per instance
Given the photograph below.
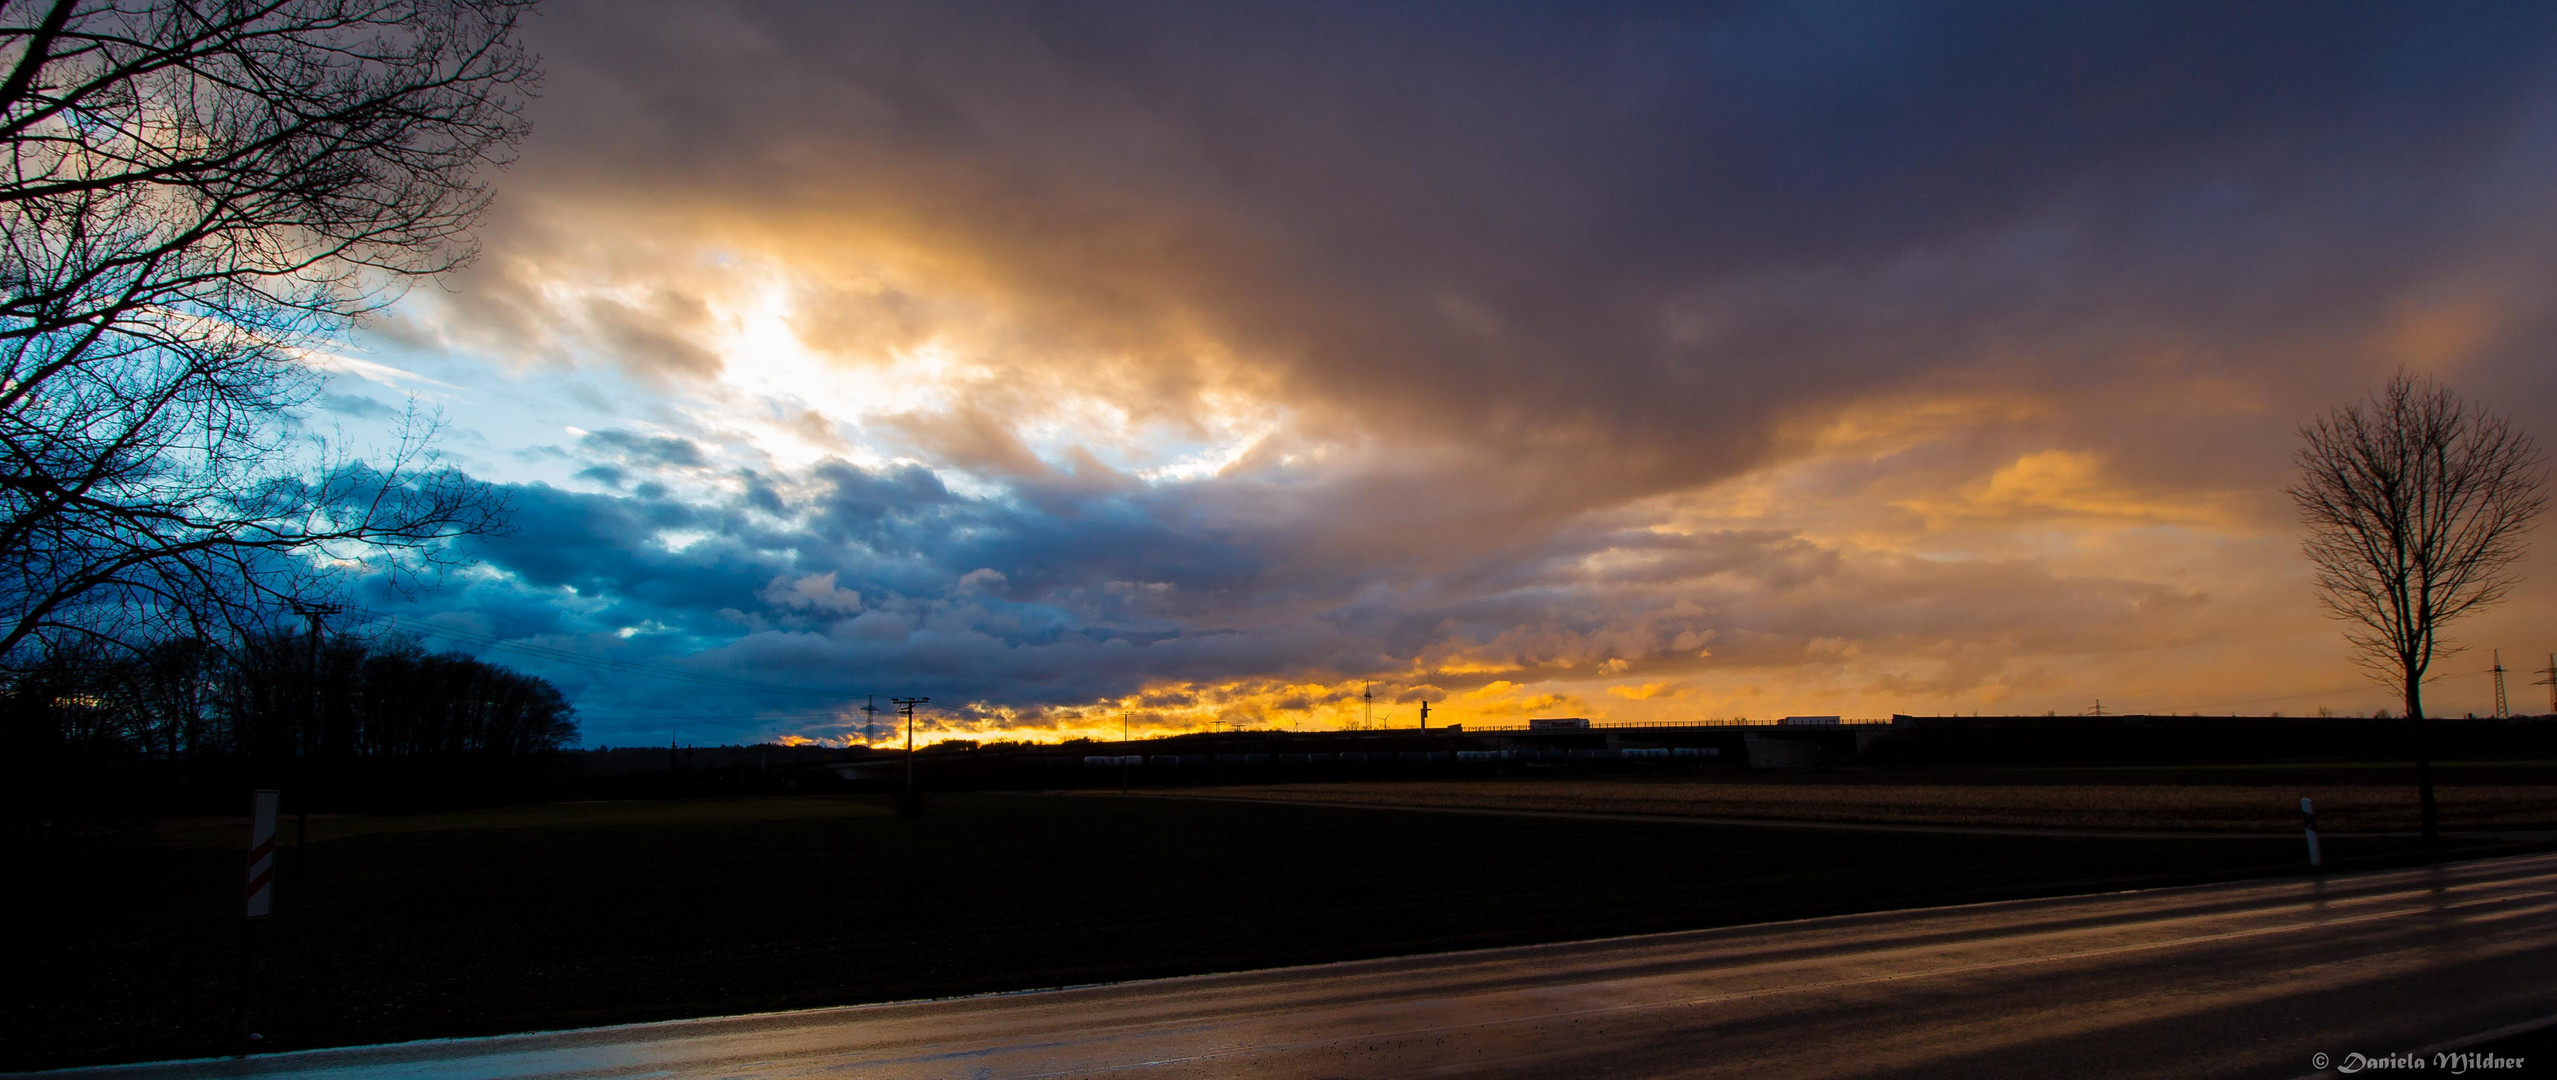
(1214, 362)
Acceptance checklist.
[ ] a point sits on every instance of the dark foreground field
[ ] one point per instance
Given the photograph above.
(2475, 796)
(595, 913)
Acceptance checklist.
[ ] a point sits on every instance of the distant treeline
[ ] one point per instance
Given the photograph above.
(362, 720)
(275, 699)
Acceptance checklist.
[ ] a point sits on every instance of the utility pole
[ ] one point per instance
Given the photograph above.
(908, 703)
(314, 612)
(869, 720)
(310, 737)
(2550, 682)
(2503, 709)
(1424, 717)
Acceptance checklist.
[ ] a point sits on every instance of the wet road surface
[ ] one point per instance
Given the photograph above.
(2242, 980)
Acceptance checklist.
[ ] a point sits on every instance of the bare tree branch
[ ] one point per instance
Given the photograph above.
(195, 194)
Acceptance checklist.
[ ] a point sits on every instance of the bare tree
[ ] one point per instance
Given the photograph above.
(2416, 503)
(197, 197)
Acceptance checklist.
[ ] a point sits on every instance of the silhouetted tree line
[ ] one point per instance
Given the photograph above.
(194, 199)
(183, 724)
(273, 699)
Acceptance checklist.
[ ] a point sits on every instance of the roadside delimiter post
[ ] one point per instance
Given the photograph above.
(260, 897)
(2308, 812)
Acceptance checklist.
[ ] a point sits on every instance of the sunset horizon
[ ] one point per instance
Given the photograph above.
(762, 538)
(1215, 366)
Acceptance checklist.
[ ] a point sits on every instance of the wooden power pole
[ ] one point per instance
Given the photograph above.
(908, 704)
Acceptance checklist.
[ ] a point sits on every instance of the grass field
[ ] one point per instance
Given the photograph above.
(582, 914)
(2350, 797)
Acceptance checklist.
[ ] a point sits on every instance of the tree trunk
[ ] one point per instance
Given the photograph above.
(2423, 759)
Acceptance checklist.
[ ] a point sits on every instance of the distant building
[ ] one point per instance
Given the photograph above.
(1808, 721)
(1566, 723)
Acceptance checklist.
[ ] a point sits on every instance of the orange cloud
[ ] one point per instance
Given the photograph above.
(2439, 337)
(2064, 484)
(1871, 454)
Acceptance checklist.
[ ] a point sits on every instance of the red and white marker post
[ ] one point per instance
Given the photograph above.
(261, 900)
(262, 853)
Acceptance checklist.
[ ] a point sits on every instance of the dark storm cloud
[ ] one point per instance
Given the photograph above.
(1513, 278)
(879, 581)
(872, 579)
(1573, 233)
(643, 449)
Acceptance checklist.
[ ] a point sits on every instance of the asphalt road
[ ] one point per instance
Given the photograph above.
(2249, 979)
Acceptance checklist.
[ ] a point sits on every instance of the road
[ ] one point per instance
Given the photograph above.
(2247, 979)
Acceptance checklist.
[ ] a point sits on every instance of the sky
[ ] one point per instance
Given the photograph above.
(1183, 365)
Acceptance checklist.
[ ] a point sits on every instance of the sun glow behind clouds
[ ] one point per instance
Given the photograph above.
(781, 378)
(1926, 531)
(2035, 463)
(791, 401)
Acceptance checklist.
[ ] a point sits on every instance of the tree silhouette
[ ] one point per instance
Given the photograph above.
(196, 199)
(2415, 504)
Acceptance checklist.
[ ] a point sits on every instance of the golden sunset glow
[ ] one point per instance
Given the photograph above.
(1216, 432)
